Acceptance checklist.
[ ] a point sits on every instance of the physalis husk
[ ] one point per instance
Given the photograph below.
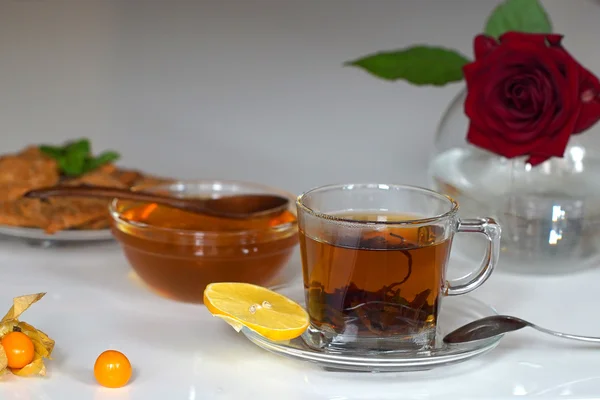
(43, 345)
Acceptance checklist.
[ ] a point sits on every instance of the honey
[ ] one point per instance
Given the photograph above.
(172, 218)
(177, 253)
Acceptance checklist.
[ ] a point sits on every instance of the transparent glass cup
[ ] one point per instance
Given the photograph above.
(374, 261)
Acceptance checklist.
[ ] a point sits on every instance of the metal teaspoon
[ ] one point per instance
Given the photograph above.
(495, 325)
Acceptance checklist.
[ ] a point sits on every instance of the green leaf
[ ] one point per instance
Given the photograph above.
(52, 151)
(108, 156)
(104, 158)
(79, 146)
(75, 160)
(66, 168)
(526, 16)
(419, 65)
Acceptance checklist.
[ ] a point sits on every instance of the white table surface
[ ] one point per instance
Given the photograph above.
(179, 351)
(195, 89)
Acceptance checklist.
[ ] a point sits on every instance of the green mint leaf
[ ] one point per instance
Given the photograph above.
(75, 158)
(79, 146)
(74, 162)
(419, 65)
(104, 158)
(67, 168)
(107, 157)
(527, 16)
(52, 151)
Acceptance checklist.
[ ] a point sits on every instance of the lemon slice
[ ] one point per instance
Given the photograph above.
(268, 313)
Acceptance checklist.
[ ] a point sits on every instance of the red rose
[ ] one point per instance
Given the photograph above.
(526, 96)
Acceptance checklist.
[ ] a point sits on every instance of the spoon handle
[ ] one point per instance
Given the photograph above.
(111, 193)
(96, 191)
(589, 339)
(495, 325)
(236, 206)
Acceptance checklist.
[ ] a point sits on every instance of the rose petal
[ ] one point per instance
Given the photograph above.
(545, 149)
(589, 93)
(519, 126)
(481, 139)
(554, 40)
(536, 38)
(483, 45)
(527, 95)
(472, 101)
(588, 116)
(554, 148)
(536, 160)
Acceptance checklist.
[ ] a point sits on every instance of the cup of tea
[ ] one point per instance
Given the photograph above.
(374, 260)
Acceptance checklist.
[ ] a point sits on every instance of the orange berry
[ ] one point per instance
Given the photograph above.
(112, 369)
(19, 349)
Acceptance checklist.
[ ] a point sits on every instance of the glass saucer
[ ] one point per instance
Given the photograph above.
(40, 238)
(455, 312)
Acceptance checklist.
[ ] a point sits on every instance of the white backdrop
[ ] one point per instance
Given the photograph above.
(247, 89)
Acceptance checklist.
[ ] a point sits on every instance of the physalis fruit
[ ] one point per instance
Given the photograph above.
(112, 369)
(18, 348)
(22, 346)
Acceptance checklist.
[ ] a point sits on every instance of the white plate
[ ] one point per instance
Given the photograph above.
(38, 235)
(455, 312)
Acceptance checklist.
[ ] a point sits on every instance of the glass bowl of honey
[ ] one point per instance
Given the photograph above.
(177, 253)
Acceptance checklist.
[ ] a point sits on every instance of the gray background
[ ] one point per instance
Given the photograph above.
(247, 89)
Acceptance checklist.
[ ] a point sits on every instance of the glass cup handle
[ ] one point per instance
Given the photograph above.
(491, 230)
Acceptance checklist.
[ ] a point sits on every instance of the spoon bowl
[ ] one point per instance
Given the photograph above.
(496, 325)
(238, 206)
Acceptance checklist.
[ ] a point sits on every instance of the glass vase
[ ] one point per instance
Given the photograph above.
(550, 214)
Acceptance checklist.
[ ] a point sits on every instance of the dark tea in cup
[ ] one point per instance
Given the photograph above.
(374, 276)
